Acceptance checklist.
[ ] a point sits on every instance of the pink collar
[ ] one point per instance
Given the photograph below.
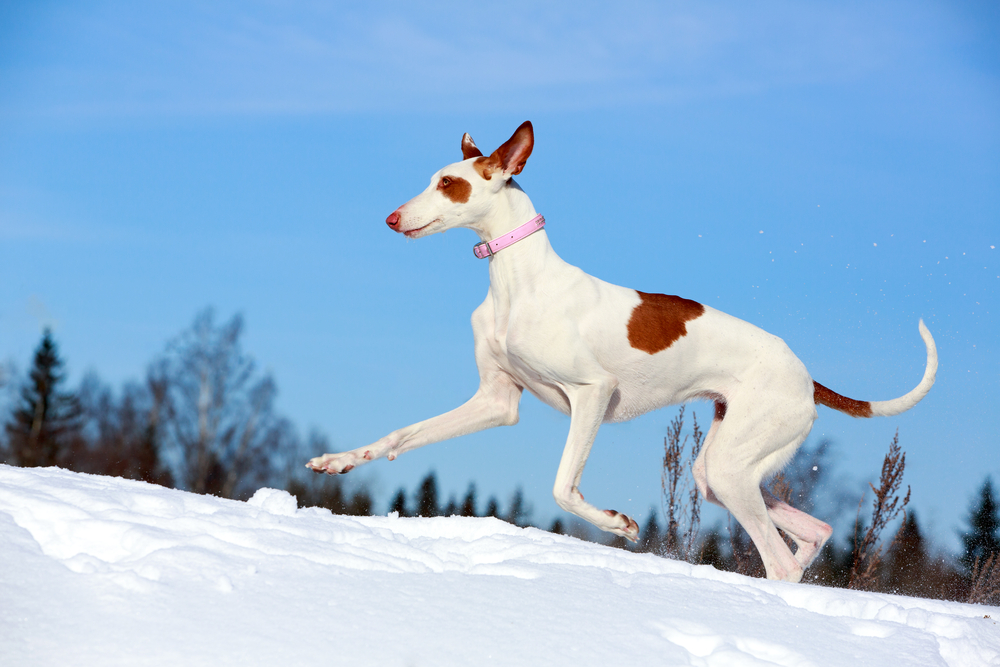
(485, 249)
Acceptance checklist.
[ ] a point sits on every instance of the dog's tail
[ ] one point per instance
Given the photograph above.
(832, 399)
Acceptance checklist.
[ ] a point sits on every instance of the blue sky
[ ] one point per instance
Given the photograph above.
(827, 171)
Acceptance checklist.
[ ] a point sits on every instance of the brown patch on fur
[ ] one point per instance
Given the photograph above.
(485, 166)
(455, 188)
(831, 399)
(659, 320)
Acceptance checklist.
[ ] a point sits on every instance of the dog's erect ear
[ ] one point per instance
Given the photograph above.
(469, 148)
(514, 153)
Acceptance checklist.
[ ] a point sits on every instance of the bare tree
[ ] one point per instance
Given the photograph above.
(219, 419)
(121, 435)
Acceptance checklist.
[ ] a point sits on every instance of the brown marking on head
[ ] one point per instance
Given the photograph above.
(455, 188)
(659, 320)
(485, 166)
(831, 399)
(469, 148)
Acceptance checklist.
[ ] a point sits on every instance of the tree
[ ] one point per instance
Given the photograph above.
(711, 550)
(519, 511)
(398, 504)
(451, 508)
(121, 435)
(469, 502)
(42, 425)
(427, 497)
(492, 508)
(219, 422)
(983, 537)
(650, 539)
(908, 562)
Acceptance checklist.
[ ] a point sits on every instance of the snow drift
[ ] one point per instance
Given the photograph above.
(99, 570)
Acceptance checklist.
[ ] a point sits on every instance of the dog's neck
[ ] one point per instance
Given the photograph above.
(518, 267)
(510, 209)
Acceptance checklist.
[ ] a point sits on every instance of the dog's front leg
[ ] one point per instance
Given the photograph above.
(494, 404)
(588, 404)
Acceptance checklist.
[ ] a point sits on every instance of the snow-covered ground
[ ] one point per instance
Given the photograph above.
(104, 571)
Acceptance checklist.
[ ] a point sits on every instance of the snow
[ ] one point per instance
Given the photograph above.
(100, 570)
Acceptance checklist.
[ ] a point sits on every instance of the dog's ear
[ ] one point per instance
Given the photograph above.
(512, 156)
(469, 148)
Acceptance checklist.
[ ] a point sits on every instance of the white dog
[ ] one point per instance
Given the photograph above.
(603, 353)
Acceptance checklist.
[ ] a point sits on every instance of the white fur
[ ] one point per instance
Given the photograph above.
(550, 328)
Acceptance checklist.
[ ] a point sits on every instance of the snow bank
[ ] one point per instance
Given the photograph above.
(99, 570)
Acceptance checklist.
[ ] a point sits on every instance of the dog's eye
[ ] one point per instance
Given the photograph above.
(445, 182)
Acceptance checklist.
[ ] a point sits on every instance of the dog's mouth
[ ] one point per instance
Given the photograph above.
(418, 232)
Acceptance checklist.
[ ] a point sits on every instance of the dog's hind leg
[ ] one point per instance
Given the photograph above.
(741, 451)
(809, 533)
(698, 469)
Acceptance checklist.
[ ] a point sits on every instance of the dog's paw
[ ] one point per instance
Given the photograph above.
(337, 464)
(628, 528)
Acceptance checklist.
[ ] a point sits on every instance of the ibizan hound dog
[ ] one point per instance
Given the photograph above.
(603, 353)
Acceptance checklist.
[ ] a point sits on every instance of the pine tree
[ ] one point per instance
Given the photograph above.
(398, 504)
(40, 429)
(908, 560)
(427, 497)
(492, 508)
(360, 504)
(469, 503)
(984, 537)
(651, 541)
(710, 551)
(518, 512)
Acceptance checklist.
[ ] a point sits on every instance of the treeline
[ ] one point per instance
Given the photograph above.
(203, 420)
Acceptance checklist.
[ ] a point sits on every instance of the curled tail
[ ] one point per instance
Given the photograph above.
(832, 399)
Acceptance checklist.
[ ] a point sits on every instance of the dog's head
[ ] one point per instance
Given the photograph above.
(464, 193)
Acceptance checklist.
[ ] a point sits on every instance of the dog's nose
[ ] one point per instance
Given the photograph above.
(393, 219)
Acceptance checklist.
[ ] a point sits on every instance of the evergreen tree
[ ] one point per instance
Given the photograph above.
(651, 541)
(492, 508)
(469, 502)
(46, 419)
(427, 497)
(710, 552)
(984, 521)
(557, 527)
(361, 503)
(908, 560)
(451, 508)
(518, 512)
(398, 504)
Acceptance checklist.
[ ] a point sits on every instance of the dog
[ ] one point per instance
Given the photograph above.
(603, 353)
